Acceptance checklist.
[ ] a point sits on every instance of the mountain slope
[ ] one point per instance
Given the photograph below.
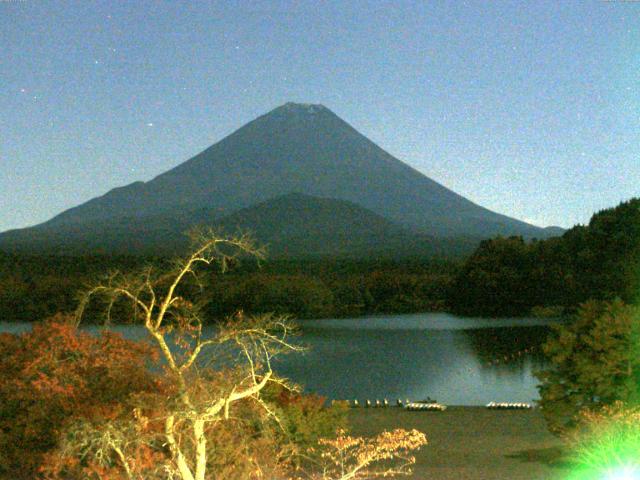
(301, 148)
(297, 225)
(294, 148)
(293, 225)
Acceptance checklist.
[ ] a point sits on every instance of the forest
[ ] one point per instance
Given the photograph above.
(502, 277)
(38, 287)
(599, 261)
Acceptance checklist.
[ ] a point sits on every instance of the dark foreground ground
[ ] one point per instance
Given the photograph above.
(473, 443)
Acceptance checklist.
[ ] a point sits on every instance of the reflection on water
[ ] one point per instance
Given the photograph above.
(458, 361)
(415, 356)
(509, 347)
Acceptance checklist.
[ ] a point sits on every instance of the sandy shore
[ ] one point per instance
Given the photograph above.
(473, 443)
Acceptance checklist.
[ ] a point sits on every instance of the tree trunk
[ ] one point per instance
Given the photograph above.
(201, 448)
(181, 463)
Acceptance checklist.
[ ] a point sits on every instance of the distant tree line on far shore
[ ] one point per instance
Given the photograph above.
(502, 277)
(36, 287)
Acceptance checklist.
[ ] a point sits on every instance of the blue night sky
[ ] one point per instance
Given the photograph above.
(531, 109)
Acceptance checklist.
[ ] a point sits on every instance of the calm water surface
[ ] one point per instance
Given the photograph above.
(458, 361)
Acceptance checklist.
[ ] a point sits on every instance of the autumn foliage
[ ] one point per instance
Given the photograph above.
(54, 374)
(191, 404)
(389, 454)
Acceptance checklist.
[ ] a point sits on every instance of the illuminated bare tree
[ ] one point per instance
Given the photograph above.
(176, 326)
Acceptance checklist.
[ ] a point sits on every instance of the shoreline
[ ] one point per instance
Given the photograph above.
(472, 443)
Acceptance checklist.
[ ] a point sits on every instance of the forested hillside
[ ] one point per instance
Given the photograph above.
(36, 287)
(508, 276)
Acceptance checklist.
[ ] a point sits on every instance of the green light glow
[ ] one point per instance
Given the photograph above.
(621, 472)
(608, 445)
(629, 472)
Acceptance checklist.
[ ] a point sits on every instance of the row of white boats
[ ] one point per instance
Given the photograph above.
(432, 405)
(509, 406)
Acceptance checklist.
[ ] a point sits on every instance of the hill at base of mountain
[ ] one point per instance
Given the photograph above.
(298, 225)
(290, 226)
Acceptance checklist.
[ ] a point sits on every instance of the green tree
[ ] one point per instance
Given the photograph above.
(508, 276)
(495, 280)
(595, 361)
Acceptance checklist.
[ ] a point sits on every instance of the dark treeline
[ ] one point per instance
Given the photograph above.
(36, 287)
(504, 276)
(508, 276)
(335, 288)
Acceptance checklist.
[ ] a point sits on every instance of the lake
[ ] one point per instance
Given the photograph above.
(455, 360)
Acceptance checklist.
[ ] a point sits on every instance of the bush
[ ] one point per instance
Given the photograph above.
(306, 418)
(55, 373)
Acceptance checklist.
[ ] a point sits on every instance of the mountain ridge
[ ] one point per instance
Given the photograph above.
(293, 225)
(295, 148)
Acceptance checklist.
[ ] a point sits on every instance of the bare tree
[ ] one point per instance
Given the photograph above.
(175, 324)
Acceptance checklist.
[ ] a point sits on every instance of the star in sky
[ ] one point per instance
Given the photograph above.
(461, 105)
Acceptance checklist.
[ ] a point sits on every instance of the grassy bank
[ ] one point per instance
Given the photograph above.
(473, 443)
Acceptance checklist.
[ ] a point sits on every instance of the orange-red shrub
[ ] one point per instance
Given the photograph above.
(56, 373)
